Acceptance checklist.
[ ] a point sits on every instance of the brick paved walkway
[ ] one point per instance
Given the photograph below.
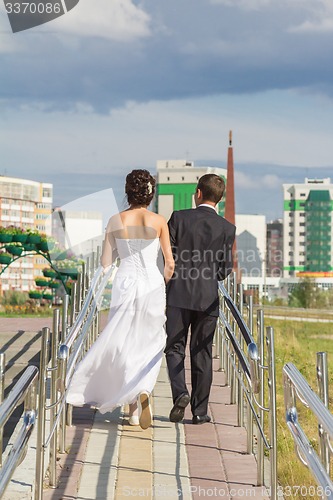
(116, 460)
(107, 459)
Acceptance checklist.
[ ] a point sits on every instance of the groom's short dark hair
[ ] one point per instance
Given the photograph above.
(212, 187)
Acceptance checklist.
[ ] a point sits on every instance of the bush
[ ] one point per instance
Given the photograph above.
(307, 294)
(14, 298)
(29, 308)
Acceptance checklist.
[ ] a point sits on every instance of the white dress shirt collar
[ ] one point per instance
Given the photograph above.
(206, 205)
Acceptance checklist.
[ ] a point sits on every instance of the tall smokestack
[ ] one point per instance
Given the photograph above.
(229, 212)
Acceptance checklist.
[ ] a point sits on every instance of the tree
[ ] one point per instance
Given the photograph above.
(303, 294)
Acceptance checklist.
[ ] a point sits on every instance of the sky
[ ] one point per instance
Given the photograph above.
(119, 84)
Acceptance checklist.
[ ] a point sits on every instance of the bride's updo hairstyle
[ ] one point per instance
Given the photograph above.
(139, 187)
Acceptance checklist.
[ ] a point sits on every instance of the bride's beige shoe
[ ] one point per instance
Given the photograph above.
(145, 413)
(133, 420)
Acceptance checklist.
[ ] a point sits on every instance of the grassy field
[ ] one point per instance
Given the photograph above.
(297, 312)
(298, 343)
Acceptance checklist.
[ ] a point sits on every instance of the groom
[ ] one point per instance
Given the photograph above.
(202, 246)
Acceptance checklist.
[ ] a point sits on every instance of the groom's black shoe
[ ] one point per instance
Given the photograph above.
(200, 419)
(178, 409)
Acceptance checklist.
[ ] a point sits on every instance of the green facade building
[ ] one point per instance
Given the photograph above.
(176, 184)
(308, 228)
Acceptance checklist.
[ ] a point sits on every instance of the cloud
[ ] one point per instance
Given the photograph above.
(256, 182)
(244, 4)
(119, 20)
(319, 18)
(8, 44)
(318, 15)
(106, 53)
(245, 181)
(271, 181)
(322, 26)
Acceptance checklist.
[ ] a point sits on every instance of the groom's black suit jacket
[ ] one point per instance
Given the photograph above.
(202, 243)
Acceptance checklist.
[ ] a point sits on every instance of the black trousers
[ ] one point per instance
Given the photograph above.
(202, 333)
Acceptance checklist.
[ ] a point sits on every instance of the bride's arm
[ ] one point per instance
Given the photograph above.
(169, 263)
(109, 249)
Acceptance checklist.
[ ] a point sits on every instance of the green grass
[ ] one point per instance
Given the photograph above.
(298, 312)
(298, 343)
(45, 314)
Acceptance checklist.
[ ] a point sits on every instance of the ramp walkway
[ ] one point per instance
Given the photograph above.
(108, 459)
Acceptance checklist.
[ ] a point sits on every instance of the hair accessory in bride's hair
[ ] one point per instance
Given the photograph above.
(150, 187)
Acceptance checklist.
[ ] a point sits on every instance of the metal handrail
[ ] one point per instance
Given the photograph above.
(251, 368)
(82, 313)
(24, 389)
(89, 306)
(69, 360)
(66, 330)
(237, 348)
(296, 386)
(313, 401)
(17, 394)
(237, 315)
(248, 373)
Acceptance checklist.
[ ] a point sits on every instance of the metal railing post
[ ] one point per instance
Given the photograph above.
(93, 262)
(83, 282)
(241, 341)
(88, 268)
(40, 451)
(233, 378)
(249, 428)
(2, 394)
(220, 346)
(250, 306)
(62, 363)
(64, 319)
(261, 456)
(216, 342)
(322, 378)
(98, 255)
(272, 410)
(79, 292)
(224, 356)
(53, 396)
(249, 412)
(228, 362)
(73, 300)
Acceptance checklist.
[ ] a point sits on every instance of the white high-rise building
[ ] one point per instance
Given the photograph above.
(79, 230)
(307, 229)
(251, 244)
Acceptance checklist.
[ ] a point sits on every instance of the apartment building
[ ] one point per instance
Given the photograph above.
(26, 204)
(307, 229)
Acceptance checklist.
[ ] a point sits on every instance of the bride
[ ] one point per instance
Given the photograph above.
(123, 364)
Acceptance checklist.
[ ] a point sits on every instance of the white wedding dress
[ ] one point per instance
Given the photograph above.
(125, 359)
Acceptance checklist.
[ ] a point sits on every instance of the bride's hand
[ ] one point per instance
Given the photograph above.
(106, 269)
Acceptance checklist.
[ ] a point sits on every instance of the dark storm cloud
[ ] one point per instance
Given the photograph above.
(195, 48)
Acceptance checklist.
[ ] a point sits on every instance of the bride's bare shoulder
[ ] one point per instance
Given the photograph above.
(115, 221)
(157, 217)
